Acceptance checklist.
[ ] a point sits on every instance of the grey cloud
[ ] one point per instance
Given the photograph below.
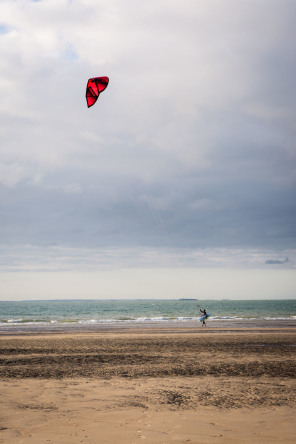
(92, 209)
(277, 262)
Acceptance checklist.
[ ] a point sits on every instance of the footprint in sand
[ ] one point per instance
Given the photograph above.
(141, 436)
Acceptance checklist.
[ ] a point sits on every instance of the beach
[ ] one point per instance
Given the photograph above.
(152, 385)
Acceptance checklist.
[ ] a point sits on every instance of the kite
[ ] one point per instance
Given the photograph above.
(94, 88)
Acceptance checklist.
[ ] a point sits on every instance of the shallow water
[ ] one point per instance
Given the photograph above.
(92, 315)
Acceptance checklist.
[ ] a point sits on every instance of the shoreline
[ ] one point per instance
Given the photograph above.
(165, 327)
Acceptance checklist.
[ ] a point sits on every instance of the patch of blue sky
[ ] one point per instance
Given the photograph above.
(4, 29)
(69, 54)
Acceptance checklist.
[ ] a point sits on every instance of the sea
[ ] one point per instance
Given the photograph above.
(92, 315)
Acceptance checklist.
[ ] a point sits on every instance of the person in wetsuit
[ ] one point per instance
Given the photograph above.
(204, 313)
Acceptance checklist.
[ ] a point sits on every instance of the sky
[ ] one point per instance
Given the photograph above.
(180, 181)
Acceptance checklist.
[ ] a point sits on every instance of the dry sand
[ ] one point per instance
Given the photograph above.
(151, 387)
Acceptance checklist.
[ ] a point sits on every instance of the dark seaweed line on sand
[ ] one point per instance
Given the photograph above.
(76, 369)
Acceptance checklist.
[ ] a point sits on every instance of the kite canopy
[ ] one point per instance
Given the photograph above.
(94, 88)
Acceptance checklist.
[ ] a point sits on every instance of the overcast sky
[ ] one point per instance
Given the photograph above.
(187, 160)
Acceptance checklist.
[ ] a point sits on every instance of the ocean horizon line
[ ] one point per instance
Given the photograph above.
(148, 299)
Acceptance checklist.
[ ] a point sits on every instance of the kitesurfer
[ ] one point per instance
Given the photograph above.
(204, 314)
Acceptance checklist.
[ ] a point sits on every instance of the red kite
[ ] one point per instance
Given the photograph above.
(94, 88)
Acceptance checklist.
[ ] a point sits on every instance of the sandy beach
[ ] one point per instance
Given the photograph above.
(149, 386)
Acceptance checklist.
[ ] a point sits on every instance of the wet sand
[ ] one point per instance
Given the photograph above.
(252, 325)
(149, 386)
